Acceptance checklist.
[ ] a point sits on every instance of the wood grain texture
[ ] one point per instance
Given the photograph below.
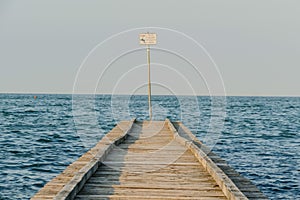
(151, 164)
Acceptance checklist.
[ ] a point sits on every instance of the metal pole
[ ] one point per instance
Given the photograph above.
(149, 83)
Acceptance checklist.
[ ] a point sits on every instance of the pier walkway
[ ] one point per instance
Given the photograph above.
(148, 160)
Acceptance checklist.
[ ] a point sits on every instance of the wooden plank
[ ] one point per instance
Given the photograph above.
(152, 186)
(157, 175)
(153, 192)
(144, 196)
(162, 179)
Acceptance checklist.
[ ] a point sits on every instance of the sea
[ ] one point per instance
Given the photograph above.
(41, 134)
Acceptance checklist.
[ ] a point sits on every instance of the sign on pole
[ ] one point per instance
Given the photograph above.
(148, 38)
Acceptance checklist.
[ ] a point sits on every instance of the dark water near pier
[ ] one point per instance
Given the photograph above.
(260, 136)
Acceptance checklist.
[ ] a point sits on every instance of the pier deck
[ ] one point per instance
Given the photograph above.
(147, 160)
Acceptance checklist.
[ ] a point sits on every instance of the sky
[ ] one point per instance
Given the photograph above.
(205, 47)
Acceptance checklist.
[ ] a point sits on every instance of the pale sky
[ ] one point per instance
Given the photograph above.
(255, 45)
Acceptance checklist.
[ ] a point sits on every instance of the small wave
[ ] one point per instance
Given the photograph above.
(39, 185)
(35, 165)
(31, 111)
(44, 140)
(56, 136)
(42, 170)
(14, 151)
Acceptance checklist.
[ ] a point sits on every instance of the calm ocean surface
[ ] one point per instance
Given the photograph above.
(39, 138)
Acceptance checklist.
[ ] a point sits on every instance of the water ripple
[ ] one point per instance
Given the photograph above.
(39, 138)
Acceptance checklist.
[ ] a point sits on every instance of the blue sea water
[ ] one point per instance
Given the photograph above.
(259, 136)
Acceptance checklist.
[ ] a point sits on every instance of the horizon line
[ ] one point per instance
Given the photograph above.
(122, 94)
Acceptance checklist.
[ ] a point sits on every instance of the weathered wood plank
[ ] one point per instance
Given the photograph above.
(144, 196)
(153, 192)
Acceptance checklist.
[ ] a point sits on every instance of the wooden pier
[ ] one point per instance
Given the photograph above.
(149, 160)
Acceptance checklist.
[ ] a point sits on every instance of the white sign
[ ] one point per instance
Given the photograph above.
(147, 38)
